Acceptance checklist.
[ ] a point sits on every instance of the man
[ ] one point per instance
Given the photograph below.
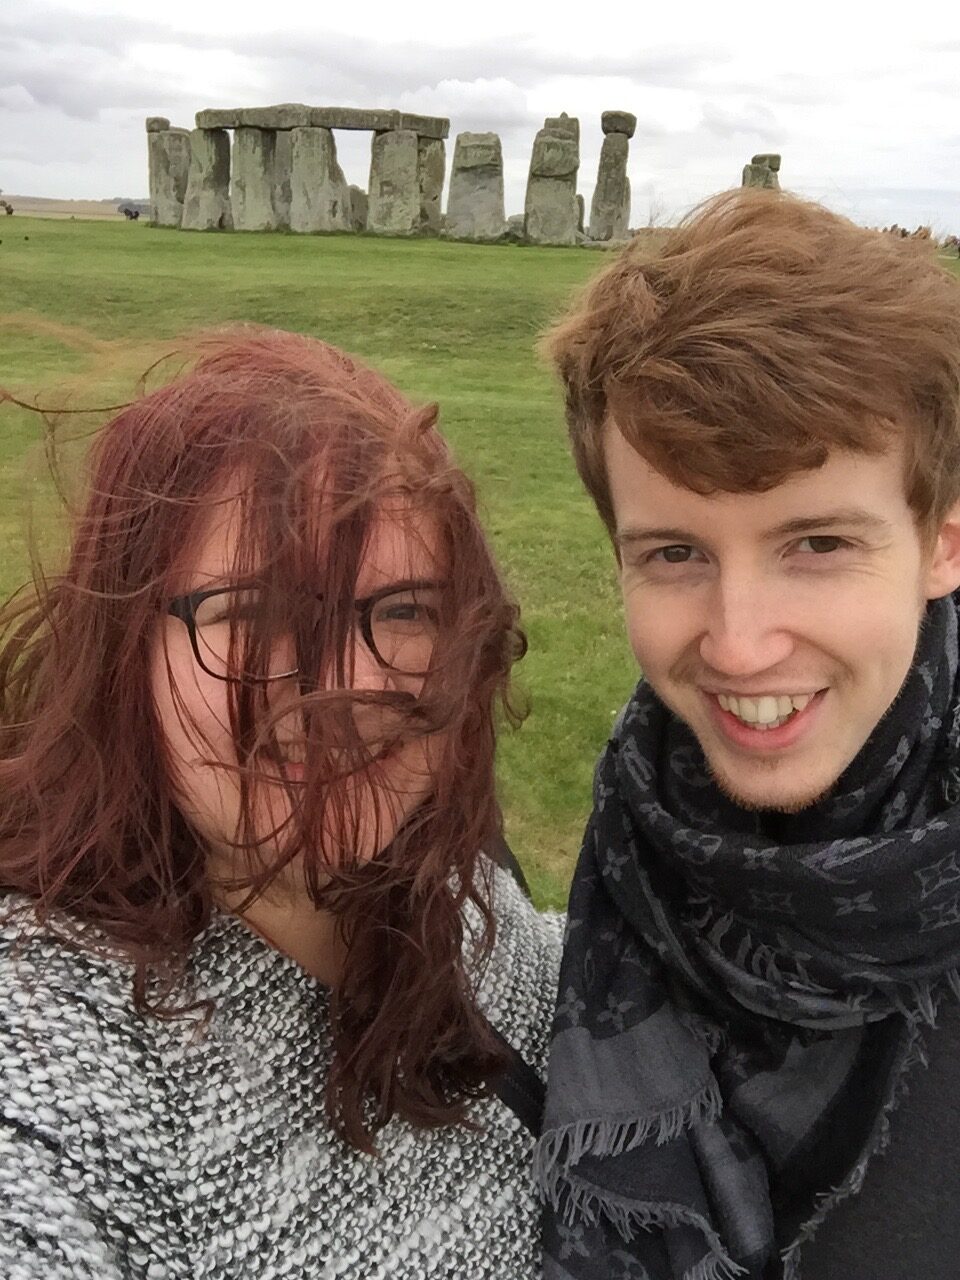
(756, 1059)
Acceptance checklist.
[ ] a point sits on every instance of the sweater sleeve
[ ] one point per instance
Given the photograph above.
(49, 1229)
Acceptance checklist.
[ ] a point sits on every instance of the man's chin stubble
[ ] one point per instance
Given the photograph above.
(750, 805)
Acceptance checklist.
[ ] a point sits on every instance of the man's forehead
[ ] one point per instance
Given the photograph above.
(856, 489)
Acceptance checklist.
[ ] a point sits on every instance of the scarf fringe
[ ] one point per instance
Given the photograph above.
(914, 1053)
(627, 1217)
(559, 1150)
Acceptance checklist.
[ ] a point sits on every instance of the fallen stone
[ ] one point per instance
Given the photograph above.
(320, 196)
(358, 208)
(618, 122)
(206, 205)
(475, 202)
(550, 208)
(168, 161)
(394, 202)
(296, 115)
(253, 179)
(431, 169)
(610, 206)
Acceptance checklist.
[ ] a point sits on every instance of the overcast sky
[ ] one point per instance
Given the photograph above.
(865, 108)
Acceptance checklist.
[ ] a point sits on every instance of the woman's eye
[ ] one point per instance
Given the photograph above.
(821, 544)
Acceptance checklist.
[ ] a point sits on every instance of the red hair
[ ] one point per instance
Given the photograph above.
(90, 827)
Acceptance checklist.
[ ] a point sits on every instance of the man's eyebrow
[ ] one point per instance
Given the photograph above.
(847, 517)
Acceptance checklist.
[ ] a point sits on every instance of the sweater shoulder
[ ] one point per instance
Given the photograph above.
(517, 990)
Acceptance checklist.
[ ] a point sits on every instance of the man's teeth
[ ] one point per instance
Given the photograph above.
(764, 713)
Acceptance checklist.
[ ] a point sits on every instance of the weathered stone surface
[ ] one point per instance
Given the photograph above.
(619, 122)
(282, 178)
(168, 159)
(610, 206)
(296, 115)
(762, 172)
(394, 205)
(475, 202)
(320, 197)
(358, 208)
(157, 124)
(206, 205)
(431, 169)
(550, 209)
(253, 179)
(566, 126)
(514, 232)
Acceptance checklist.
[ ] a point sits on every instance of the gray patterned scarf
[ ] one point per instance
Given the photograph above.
(742, 994)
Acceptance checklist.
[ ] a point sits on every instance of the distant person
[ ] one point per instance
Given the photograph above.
(261, 991)
(755, 1068)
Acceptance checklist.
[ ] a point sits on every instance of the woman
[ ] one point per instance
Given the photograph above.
(257, 982)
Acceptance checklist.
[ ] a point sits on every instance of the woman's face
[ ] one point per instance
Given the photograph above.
(192, 705)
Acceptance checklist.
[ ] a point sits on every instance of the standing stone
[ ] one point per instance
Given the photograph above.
(206, 205)
(394, 205)
(168, 159)
(610, 206)
(431, 167)
(581, 211)
(282, 177)
(550, 210)
(475, 202)
(320, 197)
(358, 208)
(252, 179)
(762, 171)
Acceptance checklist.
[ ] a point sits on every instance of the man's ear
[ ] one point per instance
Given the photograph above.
(943, 572)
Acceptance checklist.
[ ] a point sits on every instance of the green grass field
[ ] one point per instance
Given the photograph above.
(454, 323)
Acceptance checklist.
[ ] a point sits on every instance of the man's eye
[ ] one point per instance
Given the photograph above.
(678, 554)
(821, 544)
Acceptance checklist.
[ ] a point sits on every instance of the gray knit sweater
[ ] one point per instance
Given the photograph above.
(130, 1147)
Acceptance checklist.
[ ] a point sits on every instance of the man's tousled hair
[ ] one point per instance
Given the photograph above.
(765, 333)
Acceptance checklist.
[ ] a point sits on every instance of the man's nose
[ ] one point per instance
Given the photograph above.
(746, 627)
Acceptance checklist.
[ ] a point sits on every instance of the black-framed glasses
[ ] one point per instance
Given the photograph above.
(399, 625)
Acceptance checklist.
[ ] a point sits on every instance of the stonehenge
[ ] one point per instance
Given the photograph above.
(206, 204)
(168, 159)
(762, 171)
(550, 213)
(276, 168)
(610, 206)
(319, 195)
(475, 208)
(393, 206)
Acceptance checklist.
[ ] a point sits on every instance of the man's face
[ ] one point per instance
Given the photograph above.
(779, 626)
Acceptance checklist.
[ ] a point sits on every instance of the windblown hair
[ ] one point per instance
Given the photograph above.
(765, 333)
(315, 446)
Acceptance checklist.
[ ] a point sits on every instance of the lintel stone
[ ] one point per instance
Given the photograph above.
(157, 124)
(296, 115)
